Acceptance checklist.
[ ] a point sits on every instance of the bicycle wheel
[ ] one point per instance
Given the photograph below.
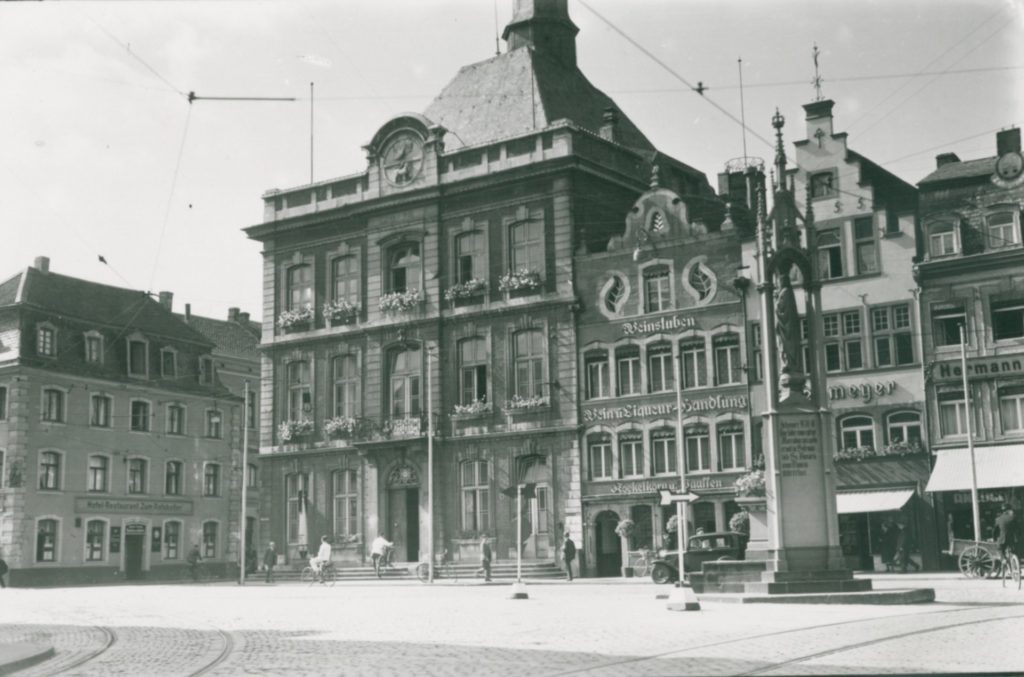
(976, 562)
(330, 576)
(641, 567)
(423, 572)
(308, 576)
(1011, 570)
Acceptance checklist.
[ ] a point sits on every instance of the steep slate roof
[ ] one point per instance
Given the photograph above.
(961, 170)
(9, 290)
(518, 92)
(230, 338)
(104, 304)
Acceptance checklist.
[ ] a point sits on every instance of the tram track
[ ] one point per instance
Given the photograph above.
(225, 653)
(55, 666)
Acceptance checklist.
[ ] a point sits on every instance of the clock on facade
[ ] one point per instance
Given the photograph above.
(1009, 165)
(402, 159)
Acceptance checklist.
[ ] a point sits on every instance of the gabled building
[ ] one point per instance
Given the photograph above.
(441, 281)
(972, 276)
(118, 441)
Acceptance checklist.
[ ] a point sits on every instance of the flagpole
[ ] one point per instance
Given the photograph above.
(975, 514)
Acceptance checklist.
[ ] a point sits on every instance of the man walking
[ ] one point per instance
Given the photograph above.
(269, 560)
(378, 553)
(568, 554)
(1006, 538)
(485, 559)
(904, 544)
(194, 558)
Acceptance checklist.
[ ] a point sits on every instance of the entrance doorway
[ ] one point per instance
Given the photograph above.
(134, 547)
(608, 544)
(404, 516)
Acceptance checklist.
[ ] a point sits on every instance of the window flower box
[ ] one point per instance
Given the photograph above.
(857, 454)
(297, 319)
(340, 311)
(477, 408)
(339, 427)
(289, 431)
(751, 485)
(401, 301)
(518, 403)
(519, 280)
(465, 290)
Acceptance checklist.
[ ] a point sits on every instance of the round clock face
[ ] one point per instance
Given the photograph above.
(1009, 166)
(402, 159)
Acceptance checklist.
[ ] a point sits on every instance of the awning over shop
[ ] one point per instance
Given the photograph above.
(997, 467)
(875, 500)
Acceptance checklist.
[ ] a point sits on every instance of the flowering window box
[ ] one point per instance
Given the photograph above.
(520, 404)
(751, 485)
(470, 290)
(292, 431)
(857, 454)
(298, 319)
(339, 427)
(471, 410)
(519, 281)
(401, 301)
(340, 311)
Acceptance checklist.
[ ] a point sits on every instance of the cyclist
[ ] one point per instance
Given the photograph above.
(380, 553)
(322, 559)
(193, 559)
(1007, 538)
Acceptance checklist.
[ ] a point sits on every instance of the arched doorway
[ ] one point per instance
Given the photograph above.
(607, 544)
(404, 512)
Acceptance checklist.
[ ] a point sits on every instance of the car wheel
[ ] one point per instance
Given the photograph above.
(661, 574)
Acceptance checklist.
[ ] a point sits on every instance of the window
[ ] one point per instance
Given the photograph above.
(943, 239)
(209, 540)
(731, 454)
(345, 279)
(211, 479)
(529, 363)
(404, 268)
(53, 405)
(137, 358)
(98, 473)
(140, 416)
(46, 541)
(173, 478)
(46, 341)
(894, 343)
(830, 254)
(206, 371)
(844, 348)
(657, 293)
(904, 427)
(1007, 320)
(627, 370)
(251, 410)
(857, 431)
(405, 369)
(99, 416)
(947, 322)
(251, 477)
(1011, 410)
(49, 470)
(695, 364)
(95, 535)
(952, 414)
(300, 287)
(175, 419)
(3, 403)
(346, 503)
(472, 370)
(526, 240)
(136, 476)
(755, 351)
(727, 359)
(172, 539)
(853, 348)
(470, 257)
(93, 348)
(300, 397)
(865, 245)
(346, 386)
(663, 451)
(601, 458)
(631, 454)
(660, 374)
(823, 185)
(1003, 230)
(476, 514)
(596, 366)
(614, 294)
(698, 448)
(214, 424)
(168, 363)
(295, 499)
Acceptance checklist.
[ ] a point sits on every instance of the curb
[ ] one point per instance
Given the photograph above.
(17, 656)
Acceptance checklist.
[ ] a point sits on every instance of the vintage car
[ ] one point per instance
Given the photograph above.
(716, 546)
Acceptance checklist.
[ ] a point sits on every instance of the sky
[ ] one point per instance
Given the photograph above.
(101, 153)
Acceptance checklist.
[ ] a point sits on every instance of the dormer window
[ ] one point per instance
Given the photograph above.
(168, 363)
(943, 239)
(46, 340)
(206, 370)
(94, 348)
(137, 357)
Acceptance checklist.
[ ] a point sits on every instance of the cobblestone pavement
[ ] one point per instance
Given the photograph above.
(585, 628)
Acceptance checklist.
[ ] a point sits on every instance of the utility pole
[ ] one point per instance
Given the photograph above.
(975, 513)
(245, 478)
(430, 464)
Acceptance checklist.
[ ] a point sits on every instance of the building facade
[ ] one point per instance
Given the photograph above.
(972, 275)
(437, 289)
(118, 443)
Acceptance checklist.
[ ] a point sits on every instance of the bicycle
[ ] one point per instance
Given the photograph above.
(1011, 569)
(195, 573)
(444, 568)
(642, 562)
(328, 575)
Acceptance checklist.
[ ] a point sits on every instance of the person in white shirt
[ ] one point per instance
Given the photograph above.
(323, 556)
(378, 551)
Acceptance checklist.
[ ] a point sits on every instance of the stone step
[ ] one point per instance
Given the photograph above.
(793, 576)
(543, 570)
(735, 566)
(806, 587)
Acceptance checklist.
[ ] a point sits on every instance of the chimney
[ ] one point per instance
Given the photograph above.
(232, 314)
(42, 264)
(945, 159)
(610, 124)
(1008, 141)
(188, 312)
(243, 318)
(167, 300)
(819, 116)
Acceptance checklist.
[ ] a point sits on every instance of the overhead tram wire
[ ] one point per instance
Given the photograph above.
(128, 48)
(170, 197)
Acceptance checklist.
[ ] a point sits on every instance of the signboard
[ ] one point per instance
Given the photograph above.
(133, 506)
(115, 540)
(653, 486)
(798, 444)
(979, 367)
(689, 405)
(865, 392)
(674, 323)
(135, 530)
(670, 497)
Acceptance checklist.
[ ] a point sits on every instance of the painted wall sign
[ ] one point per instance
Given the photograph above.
(653, 486)
(865, 392)
(711, 403)
(964, 497)
(132, 505)
(979, 367)
(673, 323)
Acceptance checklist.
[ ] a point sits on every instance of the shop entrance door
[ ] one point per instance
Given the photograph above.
(608, 544)
(134, 544)
(404, 515)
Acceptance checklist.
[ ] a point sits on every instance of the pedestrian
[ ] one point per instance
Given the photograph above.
(193, 559)
(485, 559)
(904, 544)
(322, 559)
(378, 553)
(568, 554)
(269, 560)
(3, 572)
(1006, 524)
(887, 549)
(250, 559)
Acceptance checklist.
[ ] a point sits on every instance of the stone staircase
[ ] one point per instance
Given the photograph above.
(753, 577)
(503, 570)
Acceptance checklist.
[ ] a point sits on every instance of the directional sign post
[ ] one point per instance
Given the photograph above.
(682, 598)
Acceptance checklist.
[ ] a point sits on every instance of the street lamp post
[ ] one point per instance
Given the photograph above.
(430, 463)
(975, 513)
(681, 530)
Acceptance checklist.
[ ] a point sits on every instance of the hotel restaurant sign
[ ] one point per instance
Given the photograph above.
(710, 403)
(132, 506)
(979, 367)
